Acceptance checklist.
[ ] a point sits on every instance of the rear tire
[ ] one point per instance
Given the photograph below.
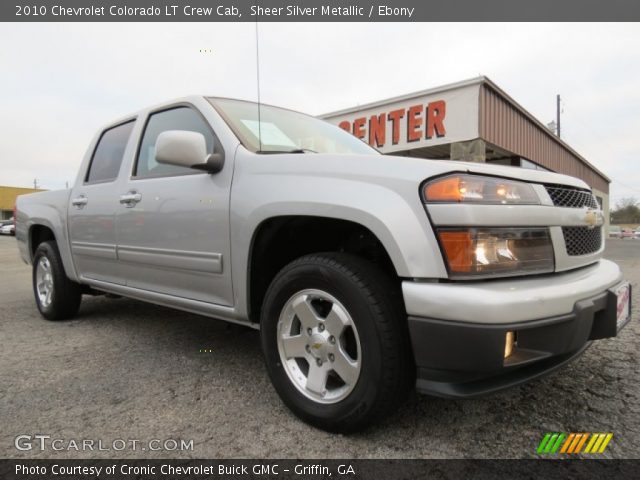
(57, 297)
(335, 341)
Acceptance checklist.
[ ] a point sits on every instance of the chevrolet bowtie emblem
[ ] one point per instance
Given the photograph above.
(594, 218)
(316, 345)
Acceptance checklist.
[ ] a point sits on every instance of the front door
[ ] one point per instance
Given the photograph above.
(173, 222)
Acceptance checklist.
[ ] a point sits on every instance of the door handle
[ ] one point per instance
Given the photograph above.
(80, 201)
(130, 199)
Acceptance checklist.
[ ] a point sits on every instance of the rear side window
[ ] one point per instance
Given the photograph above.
(107, 156)
(180, 118)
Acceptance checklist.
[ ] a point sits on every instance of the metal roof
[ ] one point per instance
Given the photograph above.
(488, 82)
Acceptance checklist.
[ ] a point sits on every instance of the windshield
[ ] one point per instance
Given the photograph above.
(280, 130)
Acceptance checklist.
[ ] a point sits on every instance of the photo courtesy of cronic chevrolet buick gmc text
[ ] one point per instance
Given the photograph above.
(367, 275)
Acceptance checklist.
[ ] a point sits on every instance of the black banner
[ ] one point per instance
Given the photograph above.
(317, 11)
(318, 469)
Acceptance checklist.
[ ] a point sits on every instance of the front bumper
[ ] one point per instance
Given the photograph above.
(463, 358)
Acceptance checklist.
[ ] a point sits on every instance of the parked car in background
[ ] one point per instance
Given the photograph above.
(627, 233)
(615, 232)
(636, 234)
(7, 228)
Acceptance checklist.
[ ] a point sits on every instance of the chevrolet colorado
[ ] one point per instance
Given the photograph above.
(367, 275)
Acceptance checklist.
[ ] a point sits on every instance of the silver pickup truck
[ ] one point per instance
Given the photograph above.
(367, 275)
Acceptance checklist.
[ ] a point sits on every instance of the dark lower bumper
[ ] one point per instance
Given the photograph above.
(461, 359)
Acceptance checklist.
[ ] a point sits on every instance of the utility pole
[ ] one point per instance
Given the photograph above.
(35, 183)
(558, 114)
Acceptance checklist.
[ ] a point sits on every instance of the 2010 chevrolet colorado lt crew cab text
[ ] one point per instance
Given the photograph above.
(366, 274)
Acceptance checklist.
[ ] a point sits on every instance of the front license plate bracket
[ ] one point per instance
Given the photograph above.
(622, 293)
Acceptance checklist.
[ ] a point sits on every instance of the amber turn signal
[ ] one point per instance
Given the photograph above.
(447, 189)
(458, 247)
(466, 188)
(496, 251)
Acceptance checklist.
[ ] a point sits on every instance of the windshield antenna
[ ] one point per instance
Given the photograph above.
(258, 86)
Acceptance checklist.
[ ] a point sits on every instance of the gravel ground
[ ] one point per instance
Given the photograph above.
(128, 370)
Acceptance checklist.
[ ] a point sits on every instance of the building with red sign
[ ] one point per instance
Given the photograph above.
(473, 120)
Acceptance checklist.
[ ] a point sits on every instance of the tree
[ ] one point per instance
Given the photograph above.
(626, 202)
(627, 211)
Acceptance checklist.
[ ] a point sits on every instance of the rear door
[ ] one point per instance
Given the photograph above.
(93, 206)
(173, 222)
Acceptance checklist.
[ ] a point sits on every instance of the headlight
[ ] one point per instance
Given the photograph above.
(486, 252)
(478, 189)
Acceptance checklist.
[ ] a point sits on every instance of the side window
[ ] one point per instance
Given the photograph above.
(107, 156)
(599, 200)
(181, 118)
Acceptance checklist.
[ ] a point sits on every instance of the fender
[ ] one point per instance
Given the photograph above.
(47, 209)
(271, 186)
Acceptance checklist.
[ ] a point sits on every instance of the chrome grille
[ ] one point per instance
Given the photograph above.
(582, 240)
(571, 197)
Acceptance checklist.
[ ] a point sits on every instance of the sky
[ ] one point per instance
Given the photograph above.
(60, 82)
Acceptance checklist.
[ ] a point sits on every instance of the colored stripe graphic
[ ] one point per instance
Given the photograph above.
(584, 439)
(551, 443)
(567, 443)
(561, 437)
(591, 442)
(606, 441)
(572, 443)
(598, 442)
(596, 445)
(543, 443)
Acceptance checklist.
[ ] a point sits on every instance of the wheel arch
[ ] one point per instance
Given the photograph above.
(279, 240)
(40, 230)
(39, 233)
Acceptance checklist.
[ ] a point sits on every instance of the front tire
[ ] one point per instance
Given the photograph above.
(335, 341)
(57, 297)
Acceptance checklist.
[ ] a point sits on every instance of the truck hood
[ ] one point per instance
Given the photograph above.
(385, 168)
(535, 176)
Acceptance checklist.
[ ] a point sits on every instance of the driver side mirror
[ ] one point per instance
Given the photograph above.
(187, 149)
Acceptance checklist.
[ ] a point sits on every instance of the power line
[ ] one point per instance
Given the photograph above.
(625, 185)
(607, 144)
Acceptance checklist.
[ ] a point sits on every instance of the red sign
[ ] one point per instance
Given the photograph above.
(422, 122)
